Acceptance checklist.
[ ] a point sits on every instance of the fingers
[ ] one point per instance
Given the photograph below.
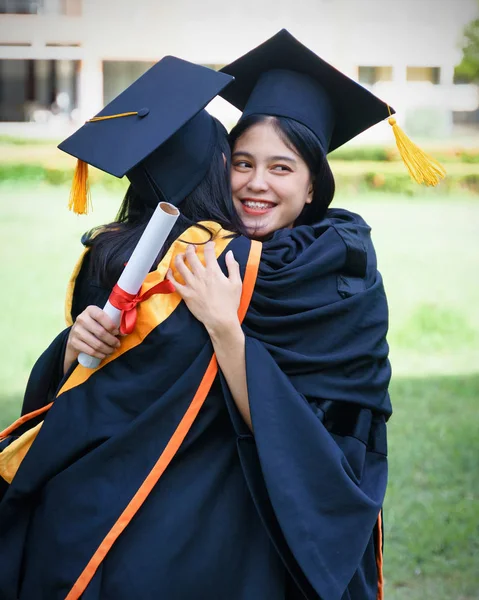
(176, 284)
(183, 270)
(232, 265)
(210, 257)
(94, 333)
(94, 315)
(193, 260)
(90, 345)
(197, 273)
(100, 316)
(96, 322)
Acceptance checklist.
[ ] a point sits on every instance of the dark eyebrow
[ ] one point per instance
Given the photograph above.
(283, 158)
(273, 158)
(247, 154)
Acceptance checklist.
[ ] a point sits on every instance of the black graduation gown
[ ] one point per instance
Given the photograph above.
(290, 512)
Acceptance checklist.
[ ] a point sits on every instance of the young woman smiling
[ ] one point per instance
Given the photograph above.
(280, 176)
(307, 372)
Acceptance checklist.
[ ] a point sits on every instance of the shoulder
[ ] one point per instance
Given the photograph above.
(245, 252)
(329, 260)
(340, 241)
(355, 234)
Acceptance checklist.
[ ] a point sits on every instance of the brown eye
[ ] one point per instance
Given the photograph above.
(242, 164)
(282, 169)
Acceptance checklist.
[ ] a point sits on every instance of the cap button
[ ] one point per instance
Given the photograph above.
(143, 112)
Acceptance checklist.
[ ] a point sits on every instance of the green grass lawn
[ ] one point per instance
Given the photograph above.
(428, 253)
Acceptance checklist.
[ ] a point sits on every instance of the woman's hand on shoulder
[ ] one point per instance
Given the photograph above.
(93, 333)
(212, 297)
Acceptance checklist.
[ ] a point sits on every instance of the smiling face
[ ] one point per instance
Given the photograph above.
(270, 182)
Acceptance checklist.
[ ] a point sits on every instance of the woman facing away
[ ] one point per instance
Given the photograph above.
(276, 490)
(89, 462)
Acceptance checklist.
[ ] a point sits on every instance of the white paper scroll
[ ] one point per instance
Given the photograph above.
(139, 265)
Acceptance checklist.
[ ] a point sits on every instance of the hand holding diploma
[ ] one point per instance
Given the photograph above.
(121, 306)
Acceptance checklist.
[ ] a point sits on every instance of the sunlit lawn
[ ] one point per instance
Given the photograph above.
(428, 252)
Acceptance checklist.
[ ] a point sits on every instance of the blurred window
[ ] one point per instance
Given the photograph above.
(71, 8)
(38, 90)
(431, 74)
(371, 75)
(119, 74)
(21, 7)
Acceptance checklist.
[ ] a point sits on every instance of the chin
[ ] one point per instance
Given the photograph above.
(259, 233)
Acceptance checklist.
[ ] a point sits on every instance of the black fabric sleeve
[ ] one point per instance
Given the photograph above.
(46, 375)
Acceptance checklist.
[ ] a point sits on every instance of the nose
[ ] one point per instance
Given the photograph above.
(257, 183)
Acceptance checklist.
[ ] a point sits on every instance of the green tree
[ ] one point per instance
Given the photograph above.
(468, 69)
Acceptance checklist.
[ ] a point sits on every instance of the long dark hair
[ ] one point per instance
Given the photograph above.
(299, 139)
(112, 244)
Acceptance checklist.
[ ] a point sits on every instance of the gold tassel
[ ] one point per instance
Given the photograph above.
(422, 167)
(80, 201)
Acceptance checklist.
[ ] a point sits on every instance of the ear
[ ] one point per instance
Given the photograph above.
(309, 199)
(224, 159)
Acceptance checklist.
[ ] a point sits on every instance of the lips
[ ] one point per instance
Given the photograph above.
(256, 206)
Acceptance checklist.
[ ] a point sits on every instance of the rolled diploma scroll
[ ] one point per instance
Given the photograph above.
(139, 265)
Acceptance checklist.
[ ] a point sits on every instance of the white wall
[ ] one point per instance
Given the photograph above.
(422, 32)
(348, 33)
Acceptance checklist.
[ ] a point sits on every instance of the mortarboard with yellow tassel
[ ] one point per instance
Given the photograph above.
(282, 77)
(158, 116)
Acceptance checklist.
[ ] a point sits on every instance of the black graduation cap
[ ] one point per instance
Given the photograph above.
(284, 78)
(155, 132)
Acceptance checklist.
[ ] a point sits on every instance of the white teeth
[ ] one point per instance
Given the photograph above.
(260, 205)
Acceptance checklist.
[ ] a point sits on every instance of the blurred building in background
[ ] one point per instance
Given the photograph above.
(62, 60)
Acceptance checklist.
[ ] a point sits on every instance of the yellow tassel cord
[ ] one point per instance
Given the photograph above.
(422, 167)
(104, 118)
(80, 201)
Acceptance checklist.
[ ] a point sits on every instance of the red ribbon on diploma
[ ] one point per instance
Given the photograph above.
(127, 302)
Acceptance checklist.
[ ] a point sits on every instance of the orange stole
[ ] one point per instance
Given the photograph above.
(13, 455)
(151, 313)
(173, 445)
(156, 309)
(379, 558)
